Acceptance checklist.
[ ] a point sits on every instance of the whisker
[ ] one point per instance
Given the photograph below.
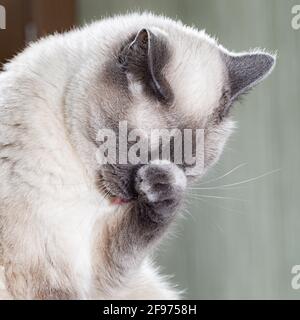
(224, 175)
(223, 208)
(236, 183)
(195, 195)
(189, 214)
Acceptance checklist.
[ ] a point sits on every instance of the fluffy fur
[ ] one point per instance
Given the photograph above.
(61, 235)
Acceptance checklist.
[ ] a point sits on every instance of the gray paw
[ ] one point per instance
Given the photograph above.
(160, 185)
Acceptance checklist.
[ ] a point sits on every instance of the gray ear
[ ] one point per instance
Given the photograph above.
(145, 56)
(247, 70)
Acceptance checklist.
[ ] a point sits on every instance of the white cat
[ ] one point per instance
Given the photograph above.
(74, 229)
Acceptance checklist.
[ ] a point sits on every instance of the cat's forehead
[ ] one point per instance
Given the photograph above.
(195, 72)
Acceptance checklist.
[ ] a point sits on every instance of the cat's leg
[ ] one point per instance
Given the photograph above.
(4, 294)
(145, 284)
(129, 236)
(150, 285)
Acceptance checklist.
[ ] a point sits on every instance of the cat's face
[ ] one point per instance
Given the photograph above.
(172, 78)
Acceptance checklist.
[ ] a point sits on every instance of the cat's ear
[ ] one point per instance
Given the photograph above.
(144, 56)
(247, 70)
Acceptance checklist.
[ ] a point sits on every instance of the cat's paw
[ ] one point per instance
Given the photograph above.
(161, 185)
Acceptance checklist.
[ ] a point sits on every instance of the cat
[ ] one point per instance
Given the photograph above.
(72, 228)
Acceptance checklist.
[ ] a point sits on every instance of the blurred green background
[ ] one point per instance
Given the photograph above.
(243, 243)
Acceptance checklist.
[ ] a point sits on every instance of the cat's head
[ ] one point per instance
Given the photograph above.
(161, 74)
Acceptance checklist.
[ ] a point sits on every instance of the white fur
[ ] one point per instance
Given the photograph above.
(51, 192)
